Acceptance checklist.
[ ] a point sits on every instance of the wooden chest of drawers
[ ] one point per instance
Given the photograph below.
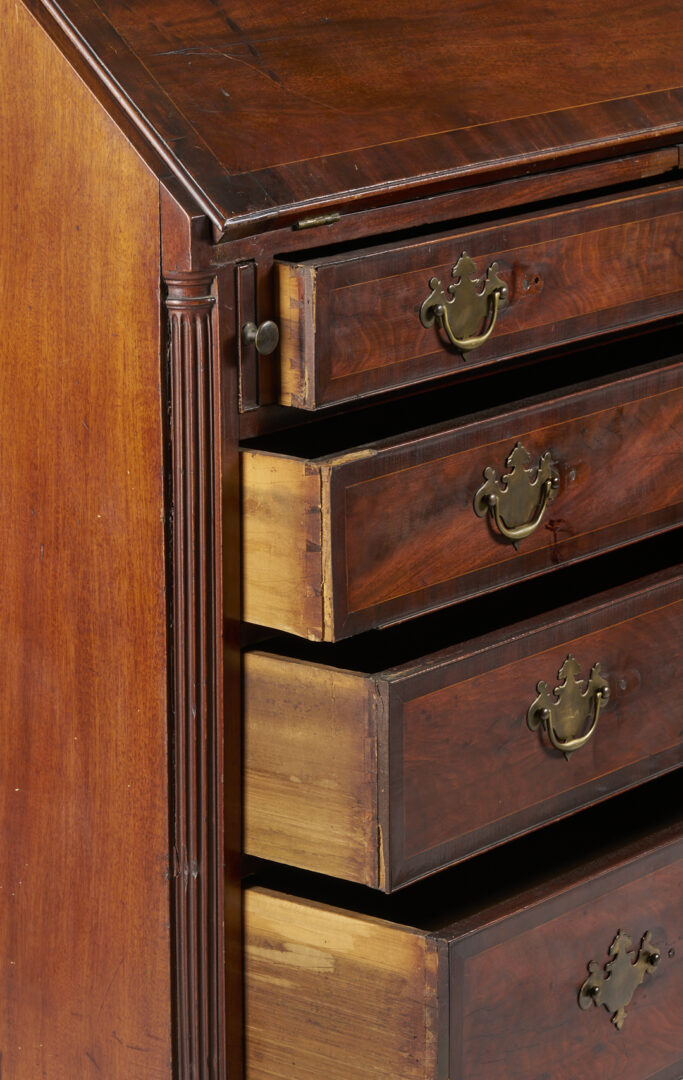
(342, 490)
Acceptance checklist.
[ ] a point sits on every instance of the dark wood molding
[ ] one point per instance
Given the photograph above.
(196, 621)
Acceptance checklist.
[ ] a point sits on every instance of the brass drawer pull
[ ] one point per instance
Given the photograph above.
(623, 975)
(518, 501)
(462, 312)
(565, 717)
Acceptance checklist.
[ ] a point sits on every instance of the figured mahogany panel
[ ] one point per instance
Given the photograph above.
(262, 110)
(465, 770)
(402, 521)
(84, 817)
(350, 322)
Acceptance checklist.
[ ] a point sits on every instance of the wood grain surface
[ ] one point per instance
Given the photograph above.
(516, 984)
(281, 544)
(263, 111)
(350, 322)
(310, 767)
(84, 875)
(334, 994)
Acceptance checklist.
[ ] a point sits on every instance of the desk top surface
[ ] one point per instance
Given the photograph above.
(274, 110)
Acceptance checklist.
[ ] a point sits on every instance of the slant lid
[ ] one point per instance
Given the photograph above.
(270, 111)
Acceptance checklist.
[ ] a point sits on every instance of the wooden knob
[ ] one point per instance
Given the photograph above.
(264, 337)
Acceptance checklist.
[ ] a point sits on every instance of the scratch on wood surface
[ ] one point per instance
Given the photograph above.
(111, 983)
(91, 1058)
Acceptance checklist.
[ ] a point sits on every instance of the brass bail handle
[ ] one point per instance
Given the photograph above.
(520, 532)
(518, 500)
(563, 713)
(466, 305)
(467, 344)
(568, 746)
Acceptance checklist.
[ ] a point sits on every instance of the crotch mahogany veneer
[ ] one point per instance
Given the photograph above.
(341, 485)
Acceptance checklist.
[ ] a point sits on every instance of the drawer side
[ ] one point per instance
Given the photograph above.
(337, 995)
(297, 310)
(281, 544)
(310, 767)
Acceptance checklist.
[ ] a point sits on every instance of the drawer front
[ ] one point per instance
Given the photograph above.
(408, 539)
(515, 985)
(447, 741)
(333, 547)
(351, 323)
(466, 771)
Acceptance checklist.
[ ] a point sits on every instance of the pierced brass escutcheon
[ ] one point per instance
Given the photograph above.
(564, 719)
(623, 975)
(466, 306)
(518, 501)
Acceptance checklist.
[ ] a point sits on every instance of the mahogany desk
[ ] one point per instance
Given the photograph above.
(425, 267)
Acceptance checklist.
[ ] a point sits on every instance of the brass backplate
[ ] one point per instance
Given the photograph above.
(466, 301)
(622, 976)
(566, 711)
(519, 491)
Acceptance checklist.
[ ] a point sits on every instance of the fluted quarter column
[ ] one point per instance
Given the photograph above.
(195, 618)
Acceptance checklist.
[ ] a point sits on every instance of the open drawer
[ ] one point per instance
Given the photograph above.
(358, 322)
(450, 983)
(377, 532)
(382, 776)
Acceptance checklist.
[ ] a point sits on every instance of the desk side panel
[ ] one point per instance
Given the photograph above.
(85, 956)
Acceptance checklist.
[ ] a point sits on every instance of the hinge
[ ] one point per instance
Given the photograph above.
(313, 222)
